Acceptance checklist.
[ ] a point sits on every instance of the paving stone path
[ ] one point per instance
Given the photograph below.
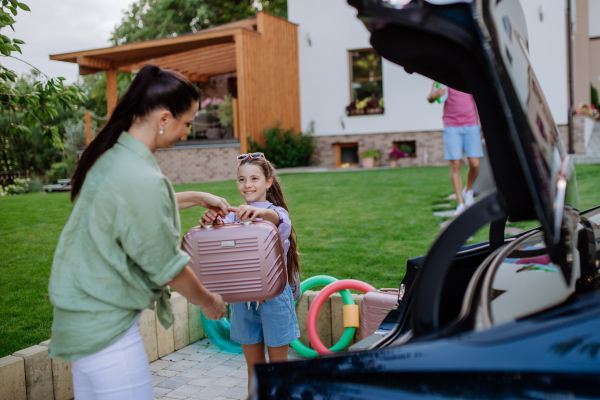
(202, 371)
(450, 213)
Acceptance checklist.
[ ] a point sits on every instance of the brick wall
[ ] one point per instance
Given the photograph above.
(221, 87)
(430, 147)
(195, 165)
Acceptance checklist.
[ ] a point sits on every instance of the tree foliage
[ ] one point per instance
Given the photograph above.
(39, 103)
(153, 19)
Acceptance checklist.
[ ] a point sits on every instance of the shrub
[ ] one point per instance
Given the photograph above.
(594, 96)
(74, 140)
(35, 186)
(57, 171)
(225, 111)
(284, 148)
(370, 153)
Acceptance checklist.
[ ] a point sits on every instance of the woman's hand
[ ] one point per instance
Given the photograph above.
(187, 284)
(206, 200)
(214, 308)
(213, 202)
(210, 217)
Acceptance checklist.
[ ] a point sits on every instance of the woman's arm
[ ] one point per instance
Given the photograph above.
(187, 284)
(206, 200)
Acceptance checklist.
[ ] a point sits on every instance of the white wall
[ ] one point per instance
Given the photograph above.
(594, 17)
(548, 52)
(324, 70)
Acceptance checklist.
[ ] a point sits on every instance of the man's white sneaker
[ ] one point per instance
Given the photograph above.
(468, 197)
(459, 208)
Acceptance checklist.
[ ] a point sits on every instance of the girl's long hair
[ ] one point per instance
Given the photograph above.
(153, 88)
(275, 196)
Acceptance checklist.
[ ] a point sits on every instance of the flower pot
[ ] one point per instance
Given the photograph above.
(393, 163)
(368, 162)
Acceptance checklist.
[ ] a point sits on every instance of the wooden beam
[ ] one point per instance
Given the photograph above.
(93, 62)
(204, 63)
(111, 89)
(88, 71)
(142, 51)
(236, 120)
(88, 128)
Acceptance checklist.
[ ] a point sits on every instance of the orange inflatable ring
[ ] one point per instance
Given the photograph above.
(311, 322)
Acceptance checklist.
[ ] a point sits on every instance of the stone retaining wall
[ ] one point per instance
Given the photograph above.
(183, 164)
(29, 374)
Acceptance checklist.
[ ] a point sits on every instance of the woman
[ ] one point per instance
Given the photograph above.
(121, 246)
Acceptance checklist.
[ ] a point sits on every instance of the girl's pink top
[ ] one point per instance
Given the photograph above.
(459, 109)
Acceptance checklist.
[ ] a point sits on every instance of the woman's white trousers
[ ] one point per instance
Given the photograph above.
(118, 372)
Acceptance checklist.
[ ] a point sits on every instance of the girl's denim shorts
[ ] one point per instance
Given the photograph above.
(274, 322)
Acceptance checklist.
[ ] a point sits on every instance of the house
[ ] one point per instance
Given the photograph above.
(255, 59)
(338, 67)
(307, 70)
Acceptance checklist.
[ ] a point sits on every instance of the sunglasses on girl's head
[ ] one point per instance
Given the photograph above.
(242, 157)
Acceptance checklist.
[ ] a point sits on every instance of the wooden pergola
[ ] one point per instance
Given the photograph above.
(262, 50)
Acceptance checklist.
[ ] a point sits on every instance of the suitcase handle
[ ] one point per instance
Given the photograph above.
(243, 223)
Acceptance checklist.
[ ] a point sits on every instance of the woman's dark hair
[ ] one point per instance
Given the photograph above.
(153, 88)
(275, 196)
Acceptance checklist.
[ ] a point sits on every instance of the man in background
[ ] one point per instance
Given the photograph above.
(461, 133)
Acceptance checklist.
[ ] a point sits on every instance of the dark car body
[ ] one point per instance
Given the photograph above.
(449, 338)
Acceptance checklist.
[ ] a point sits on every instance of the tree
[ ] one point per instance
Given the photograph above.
(153, 19)
(39, 100)
(30, 152)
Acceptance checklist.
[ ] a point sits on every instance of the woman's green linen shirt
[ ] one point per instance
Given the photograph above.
(117, 252)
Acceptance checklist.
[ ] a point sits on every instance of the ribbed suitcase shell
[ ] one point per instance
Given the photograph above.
(375, 305)
(240, 261)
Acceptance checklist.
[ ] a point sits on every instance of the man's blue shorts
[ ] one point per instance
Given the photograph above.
(274, 322)
(459, 138)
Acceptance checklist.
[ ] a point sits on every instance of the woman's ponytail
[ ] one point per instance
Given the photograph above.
(151, 89)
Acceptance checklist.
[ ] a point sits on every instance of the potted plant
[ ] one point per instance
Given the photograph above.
(394, 156)
(368, 157)
(368, 105)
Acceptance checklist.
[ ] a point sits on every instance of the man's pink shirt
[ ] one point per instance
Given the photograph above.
(459, 109)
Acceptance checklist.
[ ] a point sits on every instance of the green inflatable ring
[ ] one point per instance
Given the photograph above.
(344, 341)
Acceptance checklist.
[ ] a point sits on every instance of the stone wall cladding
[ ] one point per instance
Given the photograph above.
(198, 165)
(430, 147)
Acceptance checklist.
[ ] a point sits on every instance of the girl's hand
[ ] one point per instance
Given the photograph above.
(246, 212)
(214, 308)
(210, 217)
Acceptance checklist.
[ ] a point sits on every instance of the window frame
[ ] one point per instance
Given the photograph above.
(350, 77)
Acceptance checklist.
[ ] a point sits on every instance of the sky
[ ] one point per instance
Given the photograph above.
(62, 26)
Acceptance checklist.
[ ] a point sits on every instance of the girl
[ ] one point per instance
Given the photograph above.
(121, 246)
(273, 322)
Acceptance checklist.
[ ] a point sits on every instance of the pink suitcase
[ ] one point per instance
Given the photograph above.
(375, 305)
(240, 261)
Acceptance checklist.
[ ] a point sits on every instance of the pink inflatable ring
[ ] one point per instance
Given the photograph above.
(311, 322)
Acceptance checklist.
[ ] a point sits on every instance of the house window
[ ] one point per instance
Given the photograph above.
(409, 147)
(366, 82)
(346, 154)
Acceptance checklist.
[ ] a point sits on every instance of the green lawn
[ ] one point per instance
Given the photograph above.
(361, 225)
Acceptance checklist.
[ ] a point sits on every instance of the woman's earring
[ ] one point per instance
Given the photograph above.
(161, 131)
